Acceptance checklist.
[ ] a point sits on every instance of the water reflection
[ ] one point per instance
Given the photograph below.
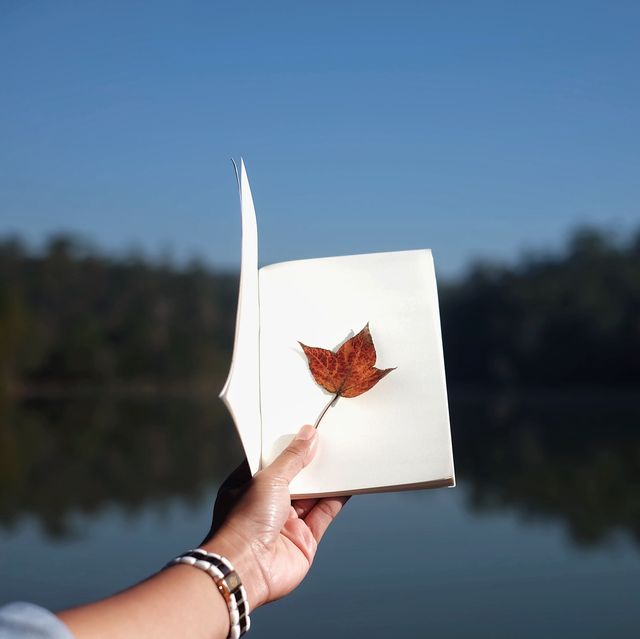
(574, 459)
(63, 456)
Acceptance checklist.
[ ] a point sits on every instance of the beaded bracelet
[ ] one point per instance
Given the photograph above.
(228, 583)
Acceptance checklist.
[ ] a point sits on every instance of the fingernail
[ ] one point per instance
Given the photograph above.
(306, 432)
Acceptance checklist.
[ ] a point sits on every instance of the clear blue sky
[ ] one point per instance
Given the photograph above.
(474, 128)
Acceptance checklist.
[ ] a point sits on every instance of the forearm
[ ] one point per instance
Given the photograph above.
(180, 601)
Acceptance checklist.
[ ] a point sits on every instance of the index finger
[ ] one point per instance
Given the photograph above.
(323, 513)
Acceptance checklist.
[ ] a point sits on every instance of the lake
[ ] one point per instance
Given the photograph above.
(541, 537)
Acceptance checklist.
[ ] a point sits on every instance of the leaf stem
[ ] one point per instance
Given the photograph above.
(325, 409)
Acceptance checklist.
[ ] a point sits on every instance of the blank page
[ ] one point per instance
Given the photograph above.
(396, 434)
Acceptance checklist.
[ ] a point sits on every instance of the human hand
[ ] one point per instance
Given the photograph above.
(270, 539)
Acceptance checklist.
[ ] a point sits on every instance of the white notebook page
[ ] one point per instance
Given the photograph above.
(397, 432)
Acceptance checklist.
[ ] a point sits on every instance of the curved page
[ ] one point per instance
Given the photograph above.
(241, 392)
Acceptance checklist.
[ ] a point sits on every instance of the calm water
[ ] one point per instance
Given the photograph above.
(540, 538)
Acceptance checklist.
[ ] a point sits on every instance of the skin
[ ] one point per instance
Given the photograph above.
(270, 540)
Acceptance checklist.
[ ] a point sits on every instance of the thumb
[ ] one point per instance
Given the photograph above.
(295, 456)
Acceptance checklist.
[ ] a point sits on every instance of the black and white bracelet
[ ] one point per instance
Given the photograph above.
(228, 583)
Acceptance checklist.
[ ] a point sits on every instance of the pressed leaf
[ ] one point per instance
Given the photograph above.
(324, 367)
(348, 372)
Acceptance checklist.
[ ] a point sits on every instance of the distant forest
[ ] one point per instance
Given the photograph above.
(71, 317)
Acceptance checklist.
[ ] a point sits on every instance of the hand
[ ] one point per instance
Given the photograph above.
(270, 539)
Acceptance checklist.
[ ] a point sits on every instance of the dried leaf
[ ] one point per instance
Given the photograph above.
(348, 372)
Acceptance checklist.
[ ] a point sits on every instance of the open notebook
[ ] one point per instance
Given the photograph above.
(396, 435)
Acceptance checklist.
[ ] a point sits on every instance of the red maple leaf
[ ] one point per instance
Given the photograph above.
(348, 372)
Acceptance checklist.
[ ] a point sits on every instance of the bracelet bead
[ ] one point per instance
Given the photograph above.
(228, 584)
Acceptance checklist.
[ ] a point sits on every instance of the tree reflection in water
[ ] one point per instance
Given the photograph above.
(64, 456)
(573, 458)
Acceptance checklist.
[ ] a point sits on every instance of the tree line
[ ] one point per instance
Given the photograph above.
(72, 316)
(566, 318)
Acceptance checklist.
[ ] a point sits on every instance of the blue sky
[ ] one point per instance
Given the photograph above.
(478, 129)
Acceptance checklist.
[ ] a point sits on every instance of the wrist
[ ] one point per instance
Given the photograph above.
(245, 559)
(203, 597)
